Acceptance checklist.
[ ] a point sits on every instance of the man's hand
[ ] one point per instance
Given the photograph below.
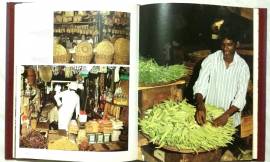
(200, 115)
(221, 120)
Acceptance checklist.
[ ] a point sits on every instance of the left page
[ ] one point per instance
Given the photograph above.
(75, 96)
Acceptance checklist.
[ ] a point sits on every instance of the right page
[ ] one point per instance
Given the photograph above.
(199, 80)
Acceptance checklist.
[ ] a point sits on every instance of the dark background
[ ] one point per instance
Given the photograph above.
(189, 25)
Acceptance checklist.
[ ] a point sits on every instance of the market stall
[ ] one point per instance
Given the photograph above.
(91, 37)
(97, 97)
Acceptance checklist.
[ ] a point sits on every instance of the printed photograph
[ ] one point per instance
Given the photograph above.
(74, 108)
(196, 82)
(91, 37)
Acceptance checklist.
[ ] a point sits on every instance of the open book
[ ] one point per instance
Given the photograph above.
(77, 87)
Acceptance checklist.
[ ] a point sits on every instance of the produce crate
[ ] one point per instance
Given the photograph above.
(149, 96)
(152, 154)
(246, 128)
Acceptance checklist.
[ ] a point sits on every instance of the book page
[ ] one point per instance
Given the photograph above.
(111, 103)
(181, 36)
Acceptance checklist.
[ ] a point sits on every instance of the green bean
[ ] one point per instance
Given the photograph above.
(173, 124)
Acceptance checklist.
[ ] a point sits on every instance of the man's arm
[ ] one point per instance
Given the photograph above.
(200, 89)
(240, 97)
(239, 101)
(57, 97)
(200, 114)
(223, 119)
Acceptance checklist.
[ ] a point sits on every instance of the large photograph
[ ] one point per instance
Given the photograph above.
(196, 80)
(73, 108)
(86, 37)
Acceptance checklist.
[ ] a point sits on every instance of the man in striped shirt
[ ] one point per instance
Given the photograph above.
(223, 82)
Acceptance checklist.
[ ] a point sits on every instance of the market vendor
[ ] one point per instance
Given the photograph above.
(222, 82)
(70, 102)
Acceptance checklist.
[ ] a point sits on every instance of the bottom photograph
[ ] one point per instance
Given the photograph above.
(80, 108)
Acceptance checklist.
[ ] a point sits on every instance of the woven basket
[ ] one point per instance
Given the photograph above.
(84, 53)
(104, 52)
(45, 73)
(121, 47)
(60, 54)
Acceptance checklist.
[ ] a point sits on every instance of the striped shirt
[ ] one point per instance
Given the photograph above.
(221, 86)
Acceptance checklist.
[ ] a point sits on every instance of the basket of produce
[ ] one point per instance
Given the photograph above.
(83, 53)
(121, 48)
(60, 54)
(171, 125)
(151, 74)
(104, 52)
(197, 56)
(35, 139)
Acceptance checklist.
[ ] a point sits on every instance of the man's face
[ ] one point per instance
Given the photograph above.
(228, 48)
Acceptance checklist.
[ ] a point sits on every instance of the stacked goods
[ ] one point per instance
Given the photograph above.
(83, 53)
(92, 126)
(121, 47)
(117, 127)
(172, 125)
(117, 124)
(60, 54)
(73, 127)
(104, 52)
(150, 73)
(105, 126)
(62, 144)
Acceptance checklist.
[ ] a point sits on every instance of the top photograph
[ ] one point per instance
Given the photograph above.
(91, 37)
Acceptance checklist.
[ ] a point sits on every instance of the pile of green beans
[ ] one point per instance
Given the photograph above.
(172, 124)
(151, 73)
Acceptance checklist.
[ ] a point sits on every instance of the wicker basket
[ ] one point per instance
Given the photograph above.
(84, 53)
(60, 54)
(121, 47)
(104, 52)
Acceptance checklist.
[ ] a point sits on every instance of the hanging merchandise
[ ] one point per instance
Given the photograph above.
(45, 73)
(102, 83)
(68, 72)
(116, 74)
(103, 69)
(31, 76)
(95, 69)
(56, 70)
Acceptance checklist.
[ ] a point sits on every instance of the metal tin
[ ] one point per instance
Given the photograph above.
(100, 138)
(107, 137)
(91, 138)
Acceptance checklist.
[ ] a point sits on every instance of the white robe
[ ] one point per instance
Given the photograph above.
(70, 102)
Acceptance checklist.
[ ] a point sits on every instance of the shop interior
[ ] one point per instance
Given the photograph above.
(100, 123)
(91, 37)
